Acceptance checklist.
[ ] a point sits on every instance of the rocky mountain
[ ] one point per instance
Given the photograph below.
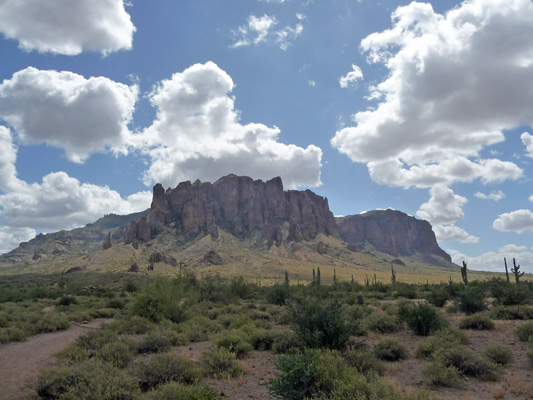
(392, 232)
(238, 205)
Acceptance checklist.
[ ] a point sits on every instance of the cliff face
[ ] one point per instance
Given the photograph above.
(391, 232)
(238, 205)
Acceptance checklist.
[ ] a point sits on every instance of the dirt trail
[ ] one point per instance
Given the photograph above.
(24, 360)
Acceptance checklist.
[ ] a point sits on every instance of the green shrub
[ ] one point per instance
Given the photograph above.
(220, 363)
(467, 363)
(278, 294)
(320, 324)
(199, 328)
(472, 300)
(524, 331)
(164, 368)
(96, 339)
(67, 300)
(477, 321)
(87, 380)
(119, 354)
(73, 354)
(498, 354)
(438, 374)
(235, 341)
(288, 342)
(444, 338)
(179, 391)
(263, 339)
(516, 312)
(423, 318)
(364, 361)
(390, 350)
(156, 341)
(115, 303)
(438, 297)
(510, 295)
(382, 323)
(51, 323)
(133, 326)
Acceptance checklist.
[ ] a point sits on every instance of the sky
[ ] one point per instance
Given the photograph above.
(422, 107)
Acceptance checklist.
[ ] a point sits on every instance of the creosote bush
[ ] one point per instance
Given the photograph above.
(422, 318)
(498, 354)
(472, 300)
(164, 368)
(220, 363)
(382, 323)
(390, 350)
(477, 322)
(524, 331)
(180, 391)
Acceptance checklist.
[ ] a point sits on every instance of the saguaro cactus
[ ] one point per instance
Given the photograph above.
(464, 273)
(516, 272)
(318, 276)
(286, 278)
(506, 270)
(393, 275)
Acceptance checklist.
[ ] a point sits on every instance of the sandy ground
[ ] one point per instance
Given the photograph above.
(22, 361)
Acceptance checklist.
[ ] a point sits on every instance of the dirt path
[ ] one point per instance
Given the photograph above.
(24, 360)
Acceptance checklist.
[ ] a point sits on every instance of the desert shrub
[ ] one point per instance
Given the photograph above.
(288, 342)
(498, 354)
(320, 324)
(444, 338)
(390, 350)
(115, 304)
(199, 328)
(438, 297)
(51, 323)
(67, 300)
(438, 374)
(119, 354)
(472, 300)
(179, 391)
(237, 342)
(452, 308)
(278, 294)
(12, 334)
(240, 288)
(131, 286)
(509, 295)
(382, 323)
(263, 339)
(515, 312)
(84, 381)
(133, 326)
(466, 362)
(524, 331)
(72, 354)
(422, 318)
(220, 363)
(156, 341)
(164, 368)
(364, 361)
(477, 321)
(96, 339)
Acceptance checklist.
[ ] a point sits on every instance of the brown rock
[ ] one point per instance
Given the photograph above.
(213, 258)
(322, 248)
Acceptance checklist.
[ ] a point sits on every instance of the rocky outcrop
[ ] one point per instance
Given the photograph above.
(392, 232)
(238, 205)
(213, 258)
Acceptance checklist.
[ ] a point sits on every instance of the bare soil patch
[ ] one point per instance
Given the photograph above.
(22, 361)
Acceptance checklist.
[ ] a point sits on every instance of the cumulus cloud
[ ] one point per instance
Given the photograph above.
(262, 29)
(511, 248)
(351, 78)
(63, 109)
(527, 140)
(453, 233)
(197, 134)
(494, 195)
(518, 221)
(66, 26)
(443, 207)
(58, 202)
(493, 261)
(455, 82)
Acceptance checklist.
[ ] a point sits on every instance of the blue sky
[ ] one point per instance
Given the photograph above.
(421, 107)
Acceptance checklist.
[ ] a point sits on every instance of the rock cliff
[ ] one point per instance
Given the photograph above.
(392, 232)
(238, 205)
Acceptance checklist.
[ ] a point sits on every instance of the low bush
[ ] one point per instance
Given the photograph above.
(288, 342)
(179, 391)
(390, 350)
(472, 300)
(438, 297)
(422, 318)
(438, 374)
(477, 321)
(164, 368)
(263, 339)
(443, 339)
(364, 361)
(67, 300)
(156, 341)
(524, 331)
(119, 354)
(235, 341)
(73, 354)
(382, 323)
(498, 354)
(516, 312)
(506, 294)
(220, 363)
(88, 380)
(467, 363)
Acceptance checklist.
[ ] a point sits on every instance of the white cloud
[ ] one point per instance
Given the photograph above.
(518, 221)
(261, 29)
(312, 83)
(58, 202)
(197, 134)
(443, 207)
(11, 237)
(494, 195)
(531, 198)
(453, 233)
(527, 140)
(511, 248)
(66, 26)
(455, 82)
(351, 78)
(63, 109)
(493, 261)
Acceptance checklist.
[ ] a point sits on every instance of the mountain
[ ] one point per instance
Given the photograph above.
(392, 232)
(236, 225)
